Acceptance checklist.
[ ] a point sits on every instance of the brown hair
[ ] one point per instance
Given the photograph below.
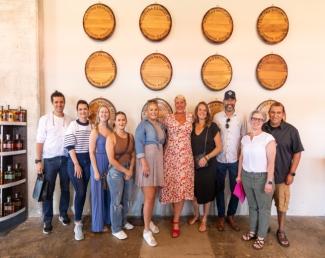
(151, 101)
(208, 119)
(277, 104)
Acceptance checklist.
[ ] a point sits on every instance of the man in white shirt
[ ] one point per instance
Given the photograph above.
(50, 150)
(232, 127)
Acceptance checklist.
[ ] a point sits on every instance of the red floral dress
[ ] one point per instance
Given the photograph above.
(178, 161)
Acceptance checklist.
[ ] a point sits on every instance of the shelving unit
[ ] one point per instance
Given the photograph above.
(10, 187)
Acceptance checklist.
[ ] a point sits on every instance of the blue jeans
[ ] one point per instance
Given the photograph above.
(52, 167)
(222, 169)
(120, 190)
(79, 184)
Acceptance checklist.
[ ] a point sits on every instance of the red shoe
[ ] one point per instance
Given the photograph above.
(175, 232)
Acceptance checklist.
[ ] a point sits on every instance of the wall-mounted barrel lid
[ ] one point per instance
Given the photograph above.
(156, 71)
(272, 25)
(217, 25)
(98, 102)
(216, 72)
(215, 107)
(265, 107)
(272, 71)
(100, 69)
(99, 22)
(163, 106)
(155, 22)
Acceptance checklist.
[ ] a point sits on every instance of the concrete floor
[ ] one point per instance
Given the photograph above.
(306, 235)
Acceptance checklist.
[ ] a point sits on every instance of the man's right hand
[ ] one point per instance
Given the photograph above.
(39, 168)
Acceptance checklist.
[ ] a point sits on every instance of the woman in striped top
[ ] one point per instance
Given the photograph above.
(76, 141)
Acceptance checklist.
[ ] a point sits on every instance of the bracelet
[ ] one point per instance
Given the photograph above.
(206, 159)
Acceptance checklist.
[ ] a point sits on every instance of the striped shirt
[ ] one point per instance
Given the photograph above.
(77, 136)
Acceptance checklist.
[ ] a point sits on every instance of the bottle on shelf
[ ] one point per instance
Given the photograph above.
(9, 175)
(10, 115)
(1, 177)
(18, 142)
(18, 171)
(1, 114)
(17, 202)
(8, 144)
(8, 207)
(22, 115)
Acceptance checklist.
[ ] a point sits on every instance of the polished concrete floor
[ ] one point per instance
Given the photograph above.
(306, 235)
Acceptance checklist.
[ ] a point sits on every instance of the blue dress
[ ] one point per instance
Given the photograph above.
(100, 199)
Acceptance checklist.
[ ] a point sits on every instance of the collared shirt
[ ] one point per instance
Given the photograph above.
(230, 136)
(50, 132)
(254, 152)
(288, 143)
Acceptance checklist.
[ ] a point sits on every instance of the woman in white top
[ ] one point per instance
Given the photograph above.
(256, 171)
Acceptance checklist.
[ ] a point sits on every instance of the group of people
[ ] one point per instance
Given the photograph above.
(182, 156)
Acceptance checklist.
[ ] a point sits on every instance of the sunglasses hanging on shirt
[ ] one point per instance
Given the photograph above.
(227, 123)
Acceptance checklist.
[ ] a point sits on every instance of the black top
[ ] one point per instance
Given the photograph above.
(288, 143)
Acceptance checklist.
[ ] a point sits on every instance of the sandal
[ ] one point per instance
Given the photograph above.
(249, 236)
(203, 226)
(259, 243)
(193, 220)
(175, 232)
(282, 238)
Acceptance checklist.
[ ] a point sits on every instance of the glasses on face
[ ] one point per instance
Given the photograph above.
(257, 119)
(227, 123)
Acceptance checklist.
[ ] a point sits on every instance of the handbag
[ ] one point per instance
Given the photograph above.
(103, 180)
(40, 188)
(239, 192)
(201, 155)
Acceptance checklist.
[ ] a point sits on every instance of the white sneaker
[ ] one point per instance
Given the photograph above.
(78, 234)
(120, 235)
(154, 229)
(148, 237)
(128, 226)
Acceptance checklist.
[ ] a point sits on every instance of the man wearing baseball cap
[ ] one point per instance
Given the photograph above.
(232, 127)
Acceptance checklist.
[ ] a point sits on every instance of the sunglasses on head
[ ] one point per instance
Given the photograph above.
(227, 123)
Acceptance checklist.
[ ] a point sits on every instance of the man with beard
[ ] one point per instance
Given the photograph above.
(232, 127)
(288, 153)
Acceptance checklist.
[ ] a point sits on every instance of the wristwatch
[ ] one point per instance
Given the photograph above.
(292, 173)
(270, 182)
(38, 161)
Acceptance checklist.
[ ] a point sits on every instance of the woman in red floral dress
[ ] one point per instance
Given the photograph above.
(178, 162)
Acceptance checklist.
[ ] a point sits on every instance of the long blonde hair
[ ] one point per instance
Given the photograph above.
(97, 118)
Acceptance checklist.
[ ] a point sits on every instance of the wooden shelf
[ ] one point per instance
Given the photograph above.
(19, 182)
(11, 153)
(14, 123)
(13, 214)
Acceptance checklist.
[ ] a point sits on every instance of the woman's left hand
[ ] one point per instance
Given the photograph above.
(268, 188)
(203, 162)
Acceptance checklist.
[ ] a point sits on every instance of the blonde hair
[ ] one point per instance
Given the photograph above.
(180, 97)
(97, 118)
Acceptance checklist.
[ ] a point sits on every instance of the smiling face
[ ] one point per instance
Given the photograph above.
(229, 104)
(202, 112)
(120, 121)
(103, 114)
(276, 114)
(152, 111)
(58, 105)
(83, 111)
(180, 105)
(257, 121)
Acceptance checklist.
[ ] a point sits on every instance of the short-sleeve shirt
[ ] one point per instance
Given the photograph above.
(288, 143)
(254, 152)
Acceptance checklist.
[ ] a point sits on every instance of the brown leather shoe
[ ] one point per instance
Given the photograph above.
(220, 224)
(230, 220)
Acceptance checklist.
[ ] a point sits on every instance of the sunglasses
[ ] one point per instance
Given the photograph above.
(227, 123)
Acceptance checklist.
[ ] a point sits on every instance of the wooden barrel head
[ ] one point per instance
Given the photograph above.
(215, 107)
(216, 72)
(98, 102)
(272, 25)
(156, 71)
(265, 107)
(99, 22)
(217, 25)
(100, 69)
(272, 71)
(163, 106)
(155, 22)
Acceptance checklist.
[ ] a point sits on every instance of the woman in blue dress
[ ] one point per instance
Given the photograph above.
(100, 196)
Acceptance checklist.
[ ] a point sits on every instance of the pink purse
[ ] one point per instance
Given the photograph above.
(240, 192)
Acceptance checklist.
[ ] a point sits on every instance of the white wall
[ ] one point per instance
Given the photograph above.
(66, 48)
